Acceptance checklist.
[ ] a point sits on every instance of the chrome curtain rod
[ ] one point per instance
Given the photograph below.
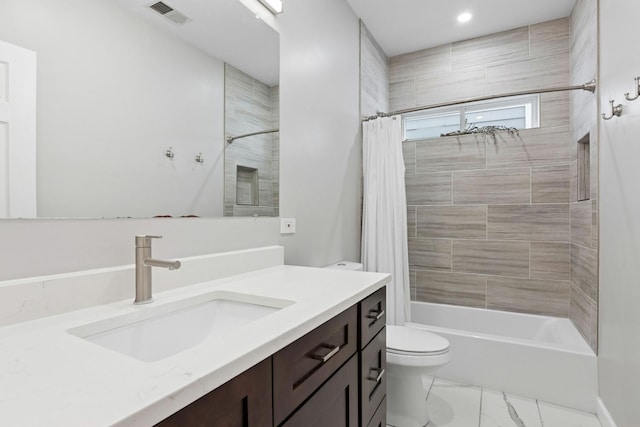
(230, 139)
(591, 87)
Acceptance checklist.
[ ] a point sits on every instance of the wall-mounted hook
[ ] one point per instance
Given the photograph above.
(615, 111)
(199, 158)
(637, 94)
(169, 152)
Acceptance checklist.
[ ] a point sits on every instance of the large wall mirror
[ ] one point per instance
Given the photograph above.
(134, 104)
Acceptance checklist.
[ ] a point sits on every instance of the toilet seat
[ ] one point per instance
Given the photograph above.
(403, 340)
(415, 347)
(413, 353)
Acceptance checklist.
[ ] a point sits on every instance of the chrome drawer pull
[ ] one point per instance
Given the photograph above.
(334, 350)
(379, 377)
(375, 315)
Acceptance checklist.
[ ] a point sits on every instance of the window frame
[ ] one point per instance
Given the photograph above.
(530, 102)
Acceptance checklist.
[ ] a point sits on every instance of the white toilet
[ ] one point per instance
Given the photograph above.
(411, 354)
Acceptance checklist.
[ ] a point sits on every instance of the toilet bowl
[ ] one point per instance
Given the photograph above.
(412, 354)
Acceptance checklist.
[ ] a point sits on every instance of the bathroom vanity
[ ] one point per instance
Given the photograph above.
(332, 376)
(317, 354)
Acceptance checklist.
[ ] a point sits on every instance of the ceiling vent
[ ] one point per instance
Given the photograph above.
(170, 13)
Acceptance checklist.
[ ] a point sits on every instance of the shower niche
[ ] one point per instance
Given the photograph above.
(583, 169)
(247, 191)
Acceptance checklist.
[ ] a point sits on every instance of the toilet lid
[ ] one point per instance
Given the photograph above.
(406, 340)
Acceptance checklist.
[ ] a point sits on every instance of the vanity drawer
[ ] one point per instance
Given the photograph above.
(372, 315)
(335, 404)
(301, 367)
(373, 377)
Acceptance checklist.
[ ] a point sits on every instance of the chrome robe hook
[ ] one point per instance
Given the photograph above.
(637, 94)
(615, 111)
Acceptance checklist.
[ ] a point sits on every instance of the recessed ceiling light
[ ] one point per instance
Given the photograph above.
(274, 6)
(464, 17)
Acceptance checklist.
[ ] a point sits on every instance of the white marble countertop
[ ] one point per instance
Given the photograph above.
(50, 377)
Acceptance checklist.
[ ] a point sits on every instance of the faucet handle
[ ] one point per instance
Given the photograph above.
(144, 240)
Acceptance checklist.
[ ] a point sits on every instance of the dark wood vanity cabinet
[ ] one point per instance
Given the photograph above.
(373, 386)
(379, 419)
(373, 315)
(241, 402)
(373, 360)
(334, 376)
(304, 365)
(335, 404)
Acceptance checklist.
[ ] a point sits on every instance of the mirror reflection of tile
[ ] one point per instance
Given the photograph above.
(251, 164)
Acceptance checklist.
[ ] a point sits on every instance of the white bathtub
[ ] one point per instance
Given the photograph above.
(533, 356)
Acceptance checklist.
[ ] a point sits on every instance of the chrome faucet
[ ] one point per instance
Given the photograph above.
(144, 262)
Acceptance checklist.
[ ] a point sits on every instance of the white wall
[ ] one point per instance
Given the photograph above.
(619, 346)
(321, 156)
(114, 93)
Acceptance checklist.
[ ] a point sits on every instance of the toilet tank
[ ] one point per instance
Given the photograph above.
(346, 265)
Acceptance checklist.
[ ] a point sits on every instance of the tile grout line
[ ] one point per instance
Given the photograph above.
(493, 168)
(539, 412)
(469, 239)
(426, 399)
(491, 204)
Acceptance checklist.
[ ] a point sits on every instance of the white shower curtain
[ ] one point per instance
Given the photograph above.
(384, 225)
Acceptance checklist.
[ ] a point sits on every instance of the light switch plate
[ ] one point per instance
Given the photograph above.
(287, 225)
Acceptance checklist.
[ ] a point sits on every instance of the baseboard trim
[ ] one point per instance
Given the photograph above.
(603, 414)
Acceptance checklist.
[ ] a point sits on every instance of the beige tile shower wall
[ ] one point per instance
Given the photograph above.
(584, 214)
(489, 219)
(250, 107)
(374, 75)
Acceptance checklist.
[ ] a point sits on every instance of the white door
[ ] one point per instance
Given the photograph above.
(17, 132)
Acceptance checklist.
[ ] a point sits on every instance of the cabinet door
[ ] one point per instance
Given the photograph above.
(244, 401)
(379, 419)
(335, 404)
(373, 386)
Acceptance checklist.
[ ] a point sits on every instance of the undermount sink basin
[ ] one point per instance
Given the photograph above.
(154, 333)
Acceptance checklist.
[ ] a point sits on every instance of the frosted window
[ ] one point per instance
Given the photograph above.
(511, 117)
(518, 112)
(431, 126)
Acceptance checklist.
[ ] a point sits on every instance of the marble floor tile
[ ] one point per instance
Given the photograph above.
(558, 416)
(453, 405)
(505, 410)
(457, 405)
